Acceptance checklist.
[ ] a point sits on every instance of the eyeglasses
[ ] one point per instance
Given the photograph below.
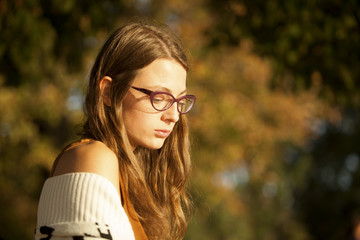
(162, 101)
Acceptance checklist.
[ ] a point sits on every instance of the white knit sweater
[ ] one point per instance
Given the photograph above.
(81, 206)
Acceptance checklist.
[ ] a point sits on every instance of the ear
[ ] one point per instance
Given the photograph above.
(105, 85)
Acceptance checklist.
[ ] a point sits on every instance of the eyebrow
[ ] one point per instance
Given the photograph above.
(167, 90)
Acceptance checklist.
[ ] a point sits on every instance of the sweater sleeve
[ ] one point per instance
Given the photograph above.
(81, 206)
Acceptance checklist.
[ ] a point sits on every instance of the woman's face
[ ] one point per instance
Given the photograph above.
(146, 126)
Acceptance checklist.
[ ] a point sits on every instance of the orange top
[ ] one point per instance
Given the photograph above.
(131, 213)
(125, 201)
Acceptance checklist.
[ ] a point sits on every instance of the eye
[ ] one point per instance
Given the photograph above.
(158, 98)
(182, 103)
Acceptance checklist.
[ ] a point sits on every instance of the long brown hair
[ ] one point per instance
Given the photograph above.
(154, 179)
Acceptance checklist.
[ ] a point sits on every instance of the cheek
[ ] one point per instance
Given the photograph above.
(139, 126)
(130, 114)
(137, 115)
(134, 121)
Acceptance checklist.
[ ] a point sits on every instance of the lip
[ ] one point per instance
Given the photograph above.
(162, 133)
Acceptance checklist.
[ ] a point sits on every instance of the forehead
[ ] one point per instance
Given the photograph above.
(162, 73)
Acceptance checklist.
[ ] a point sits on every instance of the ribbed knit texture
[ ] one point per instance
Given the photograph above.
(82, 204)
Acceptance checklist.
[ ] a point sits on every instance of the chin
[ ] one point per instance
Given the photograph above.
(157, 144)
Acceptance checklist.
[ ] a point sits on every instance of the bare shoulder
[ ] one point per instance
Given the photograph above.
(94, 157)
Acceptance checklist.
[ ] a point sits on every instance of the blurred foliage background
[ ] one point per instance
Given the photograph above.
(275, 130)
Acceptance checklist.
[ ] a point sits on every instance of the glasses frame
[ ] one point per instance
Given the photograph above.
(151, 94)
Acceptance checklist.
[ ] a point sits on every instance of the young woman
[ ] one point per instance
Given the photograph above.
(126, 177)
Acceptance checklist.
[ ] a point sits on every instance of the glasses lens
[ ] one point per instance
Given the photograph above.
(185, 104)
(162, 101)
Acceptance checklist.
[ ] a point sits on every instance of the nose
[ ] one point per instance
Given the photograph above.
(171, 114)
